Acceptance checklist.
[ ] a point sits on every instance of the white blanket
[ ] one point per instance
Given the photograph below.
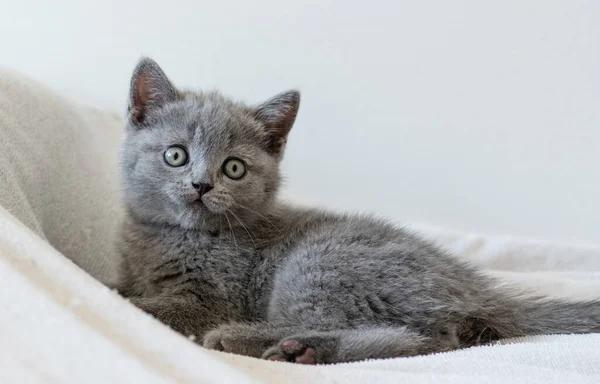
(59, 197)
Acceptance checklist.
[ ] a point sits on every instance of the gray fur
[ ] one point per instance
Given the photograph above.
(250, 275)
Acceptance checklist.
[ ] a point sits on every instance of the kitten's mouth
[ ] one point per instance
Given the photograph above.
(198, 203)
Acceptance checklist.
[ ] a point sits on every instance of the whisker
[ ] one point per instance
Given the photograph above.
(230, 227)
(257, 213)
(245, 227)
(221, 230)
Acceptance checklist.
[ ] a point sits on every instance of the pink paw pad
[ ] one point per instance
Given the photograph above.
(298, 353)
(308, 357)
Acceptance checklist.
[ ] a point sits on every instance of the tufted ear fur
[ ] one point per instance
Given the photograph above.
(150, 89)
(278, 115)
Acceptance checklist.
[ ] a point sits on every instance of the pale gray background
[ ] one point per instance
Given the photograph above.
(477, 115)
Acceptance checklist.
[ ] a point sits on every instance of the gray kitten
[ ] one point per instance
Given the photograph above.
(209, 250)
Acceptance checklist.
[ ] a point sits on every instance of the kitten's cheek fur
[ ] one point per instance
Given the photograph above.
(175, 195)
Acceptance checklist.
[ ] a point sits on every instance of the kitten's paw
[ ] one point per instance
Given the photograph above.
(241, 339)
(217, 339)
(294, 350)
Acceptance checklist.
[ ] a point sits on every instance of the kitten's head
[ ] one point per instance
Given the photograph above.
(198, 159)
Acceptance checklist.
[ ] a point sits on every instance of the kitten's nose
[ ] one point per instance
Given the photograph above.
(202, 188)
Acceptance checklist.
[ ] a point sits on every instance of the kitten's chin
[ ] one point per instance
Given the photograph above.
(196, 217)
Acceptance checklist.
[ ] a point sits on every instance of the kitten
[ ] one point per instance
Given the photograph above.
(209, 250)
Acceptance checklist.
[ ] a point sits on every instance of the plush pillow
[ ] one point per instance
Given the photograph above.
(58, 171)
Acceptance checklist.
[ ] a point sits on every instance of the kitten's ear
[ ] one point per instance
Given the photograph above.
(278, 115)
(150, 88)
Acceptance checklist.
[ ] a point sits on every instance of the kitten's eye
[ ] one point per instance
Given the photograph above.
(234, 168)
(176, 156)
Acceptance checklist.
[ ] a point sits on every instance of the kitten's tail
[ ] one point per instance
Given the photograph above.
(518, 316)
(558, 316)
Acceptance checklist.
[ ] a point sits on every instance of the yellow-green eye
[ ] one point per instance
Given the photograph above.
(234, 168)
(176, 156)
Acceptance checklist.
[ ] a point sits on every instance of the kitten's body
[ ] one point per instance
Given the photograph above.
(249, 275)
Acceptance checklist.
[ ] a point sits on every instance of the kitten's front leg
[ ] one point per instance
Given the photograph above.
(183, 314)
(300, 346)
